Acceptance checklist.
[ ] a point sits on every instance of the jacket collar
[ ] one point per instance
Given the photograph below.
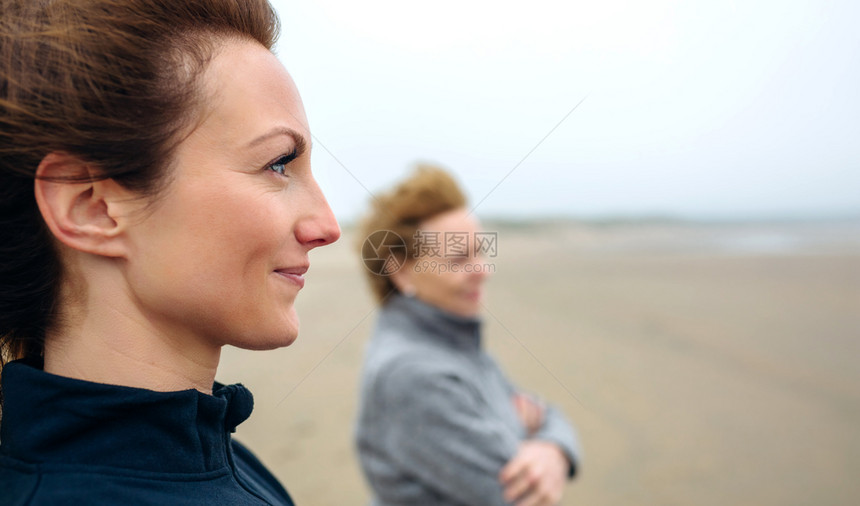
(459, 332)
(54, 419)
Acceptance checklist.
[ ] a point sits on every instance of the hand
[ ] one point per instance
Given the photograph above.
(530, 411)
(536, 475)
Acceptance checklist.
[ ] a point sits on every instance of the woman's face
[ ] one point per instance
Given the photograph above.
(452, 282)
(221, 255)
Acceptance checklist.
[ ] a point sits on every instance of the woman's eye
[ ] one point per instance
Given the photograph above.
(280, 165)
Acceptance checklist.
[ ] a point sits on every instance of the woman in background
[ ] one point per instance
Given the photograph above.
(156, 204)
(439, 422)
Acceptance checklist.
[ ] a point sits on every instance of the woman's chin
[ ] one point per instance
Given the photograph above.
(269, 339)
(267, 343)
(470, 305)
(466, 310)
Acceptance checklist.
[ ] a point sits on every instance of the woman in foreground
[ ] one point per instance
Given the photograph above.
(156, 204)
(439, 422)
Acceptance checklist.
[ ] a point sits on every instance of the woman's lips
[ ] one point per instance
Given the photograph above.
(295, 275)
(474, 295)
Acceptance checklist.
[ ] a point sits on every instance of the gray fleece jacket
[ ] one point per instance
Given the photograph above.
(436, 423)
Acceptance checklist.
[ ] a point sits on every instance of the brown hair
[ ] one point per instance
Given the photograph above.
(429, 191)
(112, 82)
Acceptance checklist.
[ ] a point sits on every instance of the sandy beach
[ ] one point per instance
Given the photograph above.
(701, 364)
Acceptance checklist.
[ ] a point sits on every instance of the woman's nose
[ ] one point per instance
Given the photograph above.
(479, 267)
(319, 226)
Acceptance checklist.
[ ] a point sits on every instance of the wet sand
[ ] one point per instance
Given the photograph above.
(701, 364)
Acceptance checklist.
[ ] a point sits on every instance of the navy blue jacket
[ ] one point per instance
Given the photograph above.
(66, 441)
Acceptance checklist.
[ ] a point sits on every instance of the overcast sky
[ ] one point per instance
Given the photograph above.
(695, 108)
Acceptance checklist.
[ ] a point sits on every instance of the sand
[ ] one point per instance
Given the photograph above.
(701, 364)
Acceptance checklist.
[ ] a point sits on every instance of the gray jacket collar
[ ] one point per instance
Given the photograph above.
(459, 332)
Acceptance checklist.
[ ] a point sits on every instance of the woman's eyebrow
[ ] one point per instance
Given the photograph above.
(298, 139)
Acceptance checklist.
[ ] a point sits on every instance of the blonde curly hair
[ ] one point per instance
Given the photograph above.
(429, 191)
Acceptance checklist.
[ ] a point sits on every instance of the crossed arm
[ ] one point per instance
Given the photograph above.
(447, 442)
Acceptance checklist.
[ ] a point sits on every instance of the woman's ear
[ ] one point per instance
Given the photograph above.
(86, 216)
(402, 279)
